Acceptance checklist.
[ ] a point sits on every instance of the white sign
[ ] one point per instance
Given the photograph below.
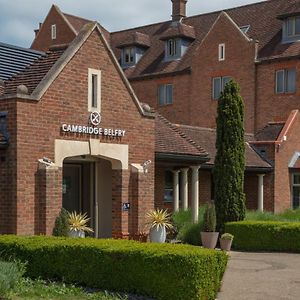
(95, 119)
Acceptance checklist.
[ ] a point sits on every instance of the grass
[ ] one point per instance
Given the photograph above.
(28, 289)
(286, 216)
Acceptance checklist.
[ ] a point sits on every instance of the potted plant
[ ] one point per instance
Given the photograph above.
(78, 224)
(226, 241)
(209, 236)
(159, 221)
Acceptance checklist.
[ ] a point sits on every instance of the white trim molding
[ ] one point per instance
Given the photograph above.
(91, 74)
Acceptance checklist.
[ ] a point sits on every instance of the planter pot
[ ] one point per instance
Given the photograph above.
(225, 244)
(158, 234)
(76, 234)
(209, 239)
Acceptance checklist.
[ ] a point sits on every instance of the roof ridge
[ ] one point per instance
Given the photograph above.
(182, 134)
(74, 16)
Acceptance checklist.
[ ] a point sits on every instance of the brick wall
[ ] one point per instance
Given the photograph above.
(65, 101)
(64, 34)
(272, 106)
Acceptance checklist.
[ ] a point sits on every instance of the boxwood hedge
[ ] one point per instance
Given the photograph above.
(265, 235)
(161, 271)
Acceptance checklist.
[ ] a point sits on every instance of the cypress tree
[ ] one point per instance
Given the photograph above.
(230, 158)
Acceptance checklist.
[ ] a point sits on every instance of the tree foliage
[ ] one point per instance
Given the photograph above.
(230, 158)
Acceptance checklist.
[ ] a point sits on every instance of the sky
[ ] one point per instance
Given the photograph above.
(18, 18)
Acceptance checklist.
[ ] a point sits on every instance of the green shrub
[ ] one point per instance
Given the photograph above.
(209, 224)
(10, 274)
(265, 235)
(162, 271)
(62, 227)
(188, 232)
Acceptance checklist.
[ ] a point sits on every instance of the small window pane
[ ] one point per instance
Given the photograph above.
(221, 52)
(161, 94)
(169, 94)
(168, 191)
(297, 26)
(280, 81)
(296, 178)
(290, 26)
(94, 90)
(291, 81)
(217, 87)
(225, 81)
(296, 197)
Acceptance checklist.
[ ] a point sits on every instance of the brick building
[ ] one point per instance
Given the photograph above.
(114, 124)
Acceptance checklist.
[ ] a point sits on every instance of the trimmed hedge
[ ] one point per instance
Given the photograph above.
(265, 235)
(162, 271)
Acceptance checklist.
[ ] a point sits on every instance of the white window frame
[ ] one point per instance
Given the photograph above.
(131, 53)
(97, 73)
(285, 83)
(53, 32)
(221, 52)
(172, 47)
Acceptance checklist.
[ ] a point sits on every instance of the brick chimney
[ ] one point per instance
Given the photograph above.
(179, 9)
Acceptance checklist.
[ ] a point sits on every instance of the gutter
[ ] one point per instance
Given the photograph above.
(184, 158)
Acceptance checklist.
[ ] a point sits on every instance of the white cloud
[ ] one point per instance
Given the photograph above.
(18, 18)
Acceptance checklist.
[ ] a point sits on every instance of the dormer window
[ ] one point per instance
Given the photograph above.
(291, 29)
(129, 55)
(172, 47)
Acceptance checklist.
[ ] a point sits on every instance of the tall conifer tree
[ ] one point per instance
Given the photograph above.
(230, 158)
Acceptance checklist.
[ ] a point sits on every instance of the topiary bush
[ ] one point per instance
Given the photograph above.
(209, 223)
(10, 274)
(62, 227)
(265, 235)
(161, 271)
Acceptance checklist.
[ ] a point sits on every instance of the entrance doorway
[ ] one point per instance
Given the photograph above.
(87, 188)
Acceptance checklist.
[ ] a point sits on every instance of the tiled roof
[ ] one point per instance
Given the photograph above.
(169, 139)
(178, 29)
(78, 23)
(206, 137)
(270, 132)
(136, 38)
(264, 27)
(32, 75)
(14, 59)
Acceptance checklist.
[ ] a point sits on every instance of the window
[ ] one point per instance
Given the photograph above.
(53, 32)
(165, 94)
(219, 85)
(221, 52)
(94, 90)
(168, 191)
(285, 81)
(293, 26)
(295, 190)
(172, 47)
(245, 29)
(129, 55)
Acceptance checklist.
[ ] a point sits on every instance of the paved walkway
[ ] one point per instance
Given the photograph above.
(261, 276)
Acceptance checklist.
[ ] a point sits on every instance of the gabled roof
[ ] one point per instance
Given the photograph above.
(170, 140)
(206, 137)
(270, 132)
(265, 28)
(14, 59)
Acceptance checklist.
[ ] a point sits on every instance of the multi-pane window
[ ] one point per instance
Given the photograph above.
(296, 190)
(168, 190)
(172, 47)
(129, 55)
(53, 32)
(285, 81)
(293, 26)
(165, 94)
(221, 52)
(219, 85)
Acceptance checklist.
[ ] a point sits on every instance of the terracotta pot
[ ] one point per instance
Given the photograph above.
(225, 244)
(209, 239)
(76, 234)
(158, 234)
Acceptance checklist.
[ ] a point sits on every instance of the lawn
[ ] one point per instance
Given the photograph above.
(28, 289)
